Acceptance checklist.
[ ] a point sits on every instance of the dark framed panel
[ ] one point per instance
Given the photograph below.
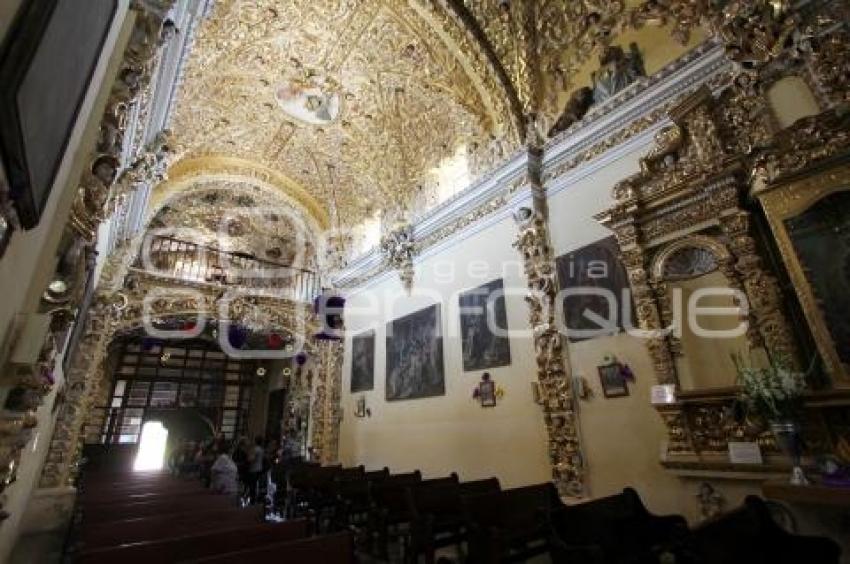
(415, 356)
(613, 380)
(46, 67)
(363, 362)
(481, 310)
(597, 269)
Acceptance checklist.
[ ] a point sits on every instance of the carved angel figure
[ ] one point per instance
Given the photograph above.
(617, 69)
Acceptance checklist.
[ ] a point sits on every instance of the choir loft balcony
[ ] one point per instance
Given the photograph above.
(188, 263)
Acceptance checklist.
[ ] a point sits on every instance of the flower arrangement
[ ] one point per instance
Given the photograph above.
(774, 393)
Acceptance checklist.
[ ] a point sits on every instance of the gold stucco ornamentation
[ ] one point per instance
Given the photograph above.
(556, 395)
(149, 34)
(687, 195)
(398, 248)
(115, 312)
(380, 90)
(326, 410)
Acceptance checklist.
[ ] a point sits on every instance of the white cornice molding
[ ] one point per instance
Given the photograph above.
(639, 99)
(563, 161)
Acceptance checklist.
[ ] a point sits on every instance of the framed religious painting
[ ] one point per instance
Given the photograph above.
(46, 66)
(809, 215)
(598, 310)
(363, 362)
(613, 380)
(415, 356)
(484, 327)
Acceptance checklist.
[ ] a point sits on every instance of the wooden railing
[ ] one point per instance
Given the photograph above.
(183, 260)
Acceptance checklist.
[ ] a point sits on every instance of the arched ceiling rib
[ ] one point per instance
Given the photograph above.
(188, 173)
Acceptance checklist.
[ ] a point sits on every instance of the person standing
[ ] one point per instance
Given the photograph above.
(256, 457)
(223, 473)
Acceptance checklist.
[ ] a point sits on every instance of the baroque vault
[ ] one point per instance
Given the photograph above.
(359, 103)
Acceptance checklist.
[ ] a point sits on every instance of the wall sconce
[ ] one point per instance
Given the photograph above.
(535, 393)
(360, 409)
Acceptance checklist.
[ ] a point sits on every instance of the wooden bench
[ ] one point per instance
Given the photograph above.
(390, 510)
(337, 548)
(153, 528)
(437, 517)
(749, 535)
(512, 525)
(94, 503)
(207, 501)
(476, 487)
(198, 545)
(101, 493)
(616, 528)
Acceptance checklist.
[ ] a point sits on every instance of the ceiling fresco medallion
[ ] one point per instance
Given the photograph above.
(309, 104)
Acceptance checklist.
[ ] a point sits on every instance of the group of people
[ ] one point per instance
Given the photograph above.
(226, 467)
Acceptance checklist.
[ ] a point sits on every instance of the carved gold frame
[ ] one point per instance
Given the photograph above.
(787, 199)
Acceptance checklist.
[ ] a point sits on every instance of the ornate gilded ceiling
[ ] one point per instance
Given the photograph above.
(354, 100)
(357, 102)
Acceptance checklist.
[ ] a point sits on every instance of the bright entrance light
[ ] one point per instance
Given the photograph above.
(151, 447)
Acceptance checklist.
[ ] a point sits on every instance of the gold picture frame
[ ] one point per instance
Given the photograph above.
(788, 199)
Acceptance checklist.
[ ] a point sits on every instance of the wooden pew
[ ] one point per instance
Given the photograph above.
(199, 545)
(337, 548)
(476, 487)
(207, 501)
(616, 528)
(94, 503)
(390, 511)
(312, 492)
(749, 535)
(511, 525)
(98, 493)
(180, 524)
(437, 517)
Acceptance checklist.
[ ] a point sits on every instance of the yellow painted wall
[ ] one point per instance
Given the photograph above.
(451, 433)
(622, 437)
(707, 363)
(656, 46)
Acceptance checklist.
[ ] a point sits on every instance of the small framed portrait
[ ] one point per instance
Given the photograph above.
(487, 393)
(613, 380)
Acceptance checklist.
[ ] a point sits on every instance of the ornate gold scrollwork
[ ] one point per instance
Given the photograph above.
(327, 413)
(552, 368)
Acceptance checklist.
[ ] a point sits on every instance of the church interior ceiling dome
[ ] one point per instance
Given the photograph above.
(359, 102)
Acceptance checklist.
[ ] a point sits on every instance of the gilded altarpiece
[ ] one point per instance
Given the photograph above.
(803, 186)
(682, 216)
